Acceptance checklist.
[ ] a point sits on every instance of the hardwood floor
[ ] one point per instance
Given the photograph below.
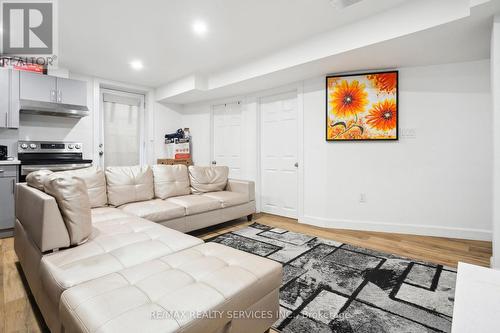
(18, 312)
(445, 251)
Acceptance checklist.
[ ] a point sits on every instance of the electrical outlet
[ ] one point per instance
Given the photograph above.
(362, 197)
(408, 133)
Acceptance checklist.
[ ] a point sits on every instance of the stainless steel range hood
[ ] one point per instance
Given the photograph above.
(53, 109)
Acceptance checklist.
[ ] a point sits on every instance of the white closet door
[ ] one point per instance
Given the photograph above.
(279, 155)
(227, 138)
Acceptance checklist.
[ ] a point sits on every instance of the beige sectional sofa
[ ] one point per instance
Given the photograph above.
(135, 270)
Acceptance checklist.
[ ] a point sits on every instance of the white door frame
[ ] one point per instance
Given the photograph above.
(298, 90)
(142, 122)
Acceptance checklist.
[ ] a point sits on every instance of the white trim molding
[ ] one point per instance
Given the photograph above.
(495, 262)
(300, 149)
(413, 229)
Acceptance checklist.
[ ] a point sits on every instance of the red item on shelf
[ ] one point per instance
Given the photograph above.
(182, 156)
(30, 68)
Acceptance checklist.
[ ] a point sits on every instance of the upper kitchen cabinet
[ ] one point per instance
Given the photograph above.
(71, 91)
(50, 95)
(9, 98)
(37, 87)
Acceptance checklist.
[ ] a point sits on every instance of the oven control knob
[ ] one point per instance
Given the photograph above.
(24, 146)
(71, 146)
(78, 146)
(32, 146)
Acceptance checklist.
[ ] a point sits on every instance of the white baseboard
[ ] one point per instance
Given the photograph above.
(413, 229)
(494, 263)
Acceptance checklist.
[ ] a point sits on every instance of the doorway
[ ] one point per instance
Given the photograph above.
(121, 129)
(227, 138)
(279, 154)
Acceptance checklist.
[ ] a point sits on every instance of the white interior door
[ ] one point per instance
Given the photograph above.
(122, 129)
(279, 147)
(227, 138)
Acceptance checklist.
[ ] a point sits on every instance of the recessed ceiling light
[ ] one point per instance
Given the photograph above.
(137, 65)
(200, 28)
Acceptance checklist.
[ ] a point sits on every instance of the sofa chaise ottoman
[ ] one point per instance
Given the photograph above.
(206, 288)
(125, 255)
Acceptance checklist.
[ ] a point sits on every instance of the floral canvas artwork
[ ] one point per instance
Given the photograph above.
(362, 107)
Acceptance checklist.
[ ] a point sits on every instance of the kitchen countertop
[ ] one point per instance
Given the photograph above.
(9, 162)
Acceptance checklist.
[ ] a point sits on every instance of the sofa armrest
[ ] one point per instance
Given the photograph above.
(242, 186)
(40, 216)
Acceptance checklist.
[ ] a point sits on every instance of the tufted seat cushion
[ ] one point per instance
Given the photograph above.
(228, 199)
(208, 179)
(104, 214)
(195, 204)
(96, 184)
(172, 293)
(170, 180)
(113, 245)
(129, 184)
(154, 210)
(73, 201)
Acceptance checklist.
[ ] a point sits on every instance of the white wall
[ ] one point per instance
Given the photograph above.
(197, 117)
(438, 183)
(167, 119)
(8, 137)
(495, 89)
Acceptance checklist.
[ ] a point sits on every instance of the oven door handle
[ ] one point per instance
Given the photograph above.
(54, 167)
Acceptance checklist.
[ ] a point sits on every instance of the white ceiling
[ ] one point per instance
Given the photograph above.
(258, 44)
(100, 38)
(415, 33)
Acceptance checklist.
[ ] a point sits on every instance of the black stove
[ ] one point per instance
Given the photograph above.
(54, 156)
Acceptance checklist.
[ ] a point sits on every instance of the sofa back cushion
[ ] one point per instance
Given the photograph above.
(73, 200)
(129, 184)
(36, 178)
(170, 180)
(208, 179)
(96, 184)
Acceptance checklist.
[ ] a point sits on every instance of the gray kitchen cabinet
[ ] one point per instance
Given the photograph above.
(45, 88)
(37, 87)
(9, 98)
(4, 97)
(8, 180)
(71, 92)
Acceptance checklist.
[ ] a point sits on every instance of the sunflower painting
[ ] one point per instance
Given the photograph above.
(362, 107)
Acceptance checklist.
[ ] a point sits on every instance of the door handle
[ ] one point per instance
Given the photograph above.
(59, 96)
(214, 162)
(296, 164)
(53, 96)
(101, 153)
(13, 185)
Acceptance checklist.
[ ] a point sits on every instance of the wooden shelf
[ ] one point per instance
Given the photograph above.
(170, 161)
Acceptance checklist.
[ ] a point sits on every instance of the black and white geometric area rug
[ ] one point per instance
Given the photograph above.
(334, 287)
